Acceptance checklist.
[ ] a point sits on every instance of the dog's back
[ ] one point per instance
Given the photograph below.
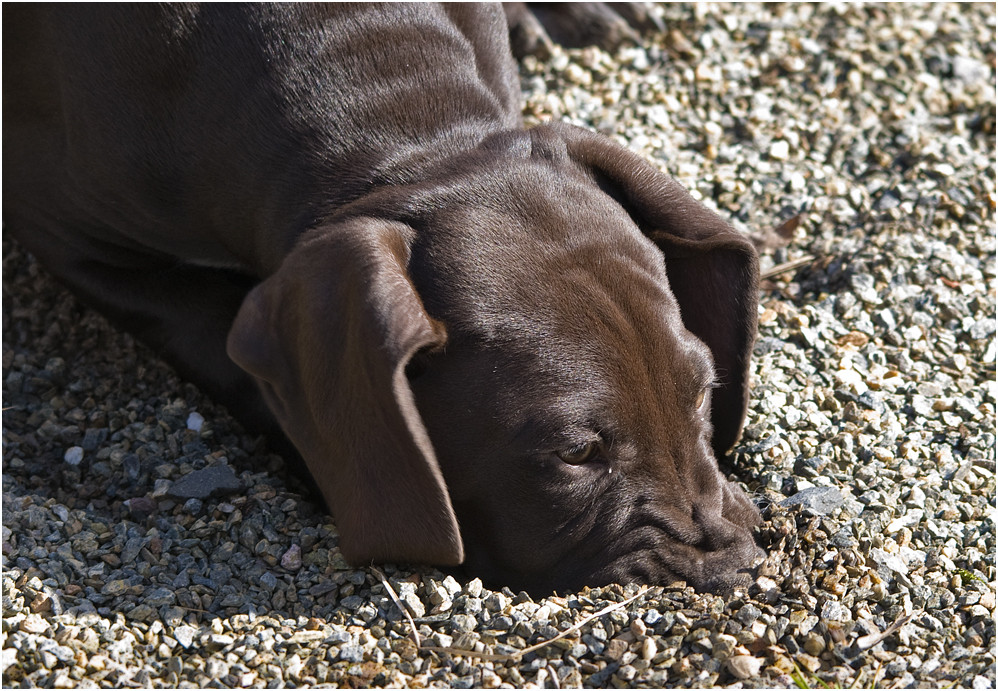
(168, 134)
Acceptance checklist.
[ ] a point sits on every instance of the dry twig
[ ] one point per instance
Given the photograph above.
(398, 603)
(868, 641)
(786, 267)
(576, 627)
(494, 656)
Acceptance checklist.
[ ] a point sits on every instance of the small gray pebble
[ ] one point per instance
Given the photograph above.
(132, 466)
(268, 580)
(352, 602)
(157, 597)
(352, 653)
(981, 329)
(93, 438)
(338, 636)
(748, 614)
(652, 617)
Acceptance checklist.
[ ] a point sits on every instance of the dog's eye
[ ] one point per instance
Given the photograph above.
(578, 455)
(417, 364)
(701, 399)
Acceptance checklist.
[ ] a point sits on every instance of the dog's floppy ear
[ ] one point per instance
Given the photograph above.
(328, 337)
(713, 270)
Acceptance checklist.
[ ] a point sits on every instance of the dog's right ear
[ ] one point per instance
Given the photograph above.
(328, 338)
(712, 269)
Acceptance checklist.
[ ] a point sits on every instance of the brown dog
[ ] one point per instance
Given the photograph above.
(517, 350)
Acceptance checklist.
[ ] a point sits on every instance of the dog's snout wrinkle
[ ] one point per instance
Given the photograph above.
(698, 545)
(718, 532)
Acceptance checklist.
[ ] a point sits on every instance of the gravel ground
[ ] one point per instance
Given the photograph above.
(863, 134)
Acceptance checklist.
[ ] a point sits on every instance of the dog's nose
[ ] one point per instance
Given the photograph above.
(719, 533)
(731, 554)
(732, 567)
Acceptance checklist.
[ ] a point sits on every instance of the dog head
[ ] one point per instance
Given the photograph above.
(527, 364)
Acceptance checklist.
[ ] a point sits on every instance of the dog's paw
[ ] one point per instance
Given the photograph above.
(534, 26)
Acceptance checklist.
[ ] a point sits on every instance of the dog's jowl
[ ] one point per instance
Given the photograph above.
(521, 351)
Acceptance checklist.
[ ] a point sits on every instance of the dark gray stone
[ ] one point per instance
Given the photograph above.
(818, 500)
(211, 481)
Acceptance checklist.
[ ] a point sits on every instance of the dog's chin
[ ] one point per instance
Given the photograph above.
(719, 580)
(717, 573)
(726, 583)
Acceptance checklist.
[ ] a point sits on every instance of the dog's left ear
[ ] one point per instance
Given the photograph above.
(713, 270)
(328, 337)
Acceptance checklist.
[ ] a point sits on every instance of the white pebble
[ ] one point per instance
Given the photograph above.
(184, 635)
(194, 422)
(707, 73)
(780, 150)
(659, 117)
(73, 455)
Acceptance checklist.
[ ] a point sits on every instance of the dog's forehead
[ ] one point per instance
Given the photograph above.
(551, 274)
(521, 251)
(563, 285)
